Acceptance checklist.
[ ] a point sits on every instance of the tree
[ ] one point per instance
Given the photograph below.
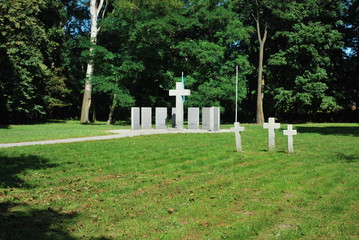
(262, 14)
(209, 48)
(32, 84)
(95, 10)
(302, 67)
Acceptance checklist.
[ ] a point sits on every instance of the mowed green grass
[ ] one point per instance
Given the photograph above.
(54, 130)
(185, 186)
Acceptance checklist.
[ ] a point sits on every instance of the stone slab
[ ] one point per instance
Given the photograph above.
(146, 117)
(135, 118)
(193, 118)
(206, 118)
(216, 111)
(161, 118)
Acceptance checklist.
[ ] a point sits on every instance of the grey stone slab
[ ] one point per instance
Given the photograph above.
(193, 118)
(216, 111)
(178, 93)
(161, 118)
(271, 126)
(146, 117)
(135, 118)
(173, 117)
(206, 118)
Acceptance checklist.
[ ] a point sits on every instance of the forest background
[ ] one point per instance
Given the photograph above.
(299, 59)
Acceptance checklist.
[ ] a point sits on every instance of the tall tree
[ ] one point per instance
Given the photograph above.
(302, 65)
(95, 10)
(261, 14)
(31, 82)
(262, 32)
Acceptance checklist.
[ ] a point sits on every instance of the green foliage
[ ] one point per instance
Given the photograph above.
(303, 65)
(310, 57)
(32, 83)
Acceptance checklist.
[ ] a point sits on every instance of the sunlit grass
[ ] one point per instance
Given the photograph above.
(185, 186)
(53, 130)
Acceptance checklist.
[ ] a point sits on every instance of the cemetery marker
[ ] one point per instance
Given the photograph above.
(271, 125)
(237, 131)
(290, 132)
(179, 92)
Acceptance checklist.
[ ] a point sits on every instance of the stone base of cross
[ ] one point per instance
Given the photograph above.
(271, 126)
(290, 133)
(237, 130)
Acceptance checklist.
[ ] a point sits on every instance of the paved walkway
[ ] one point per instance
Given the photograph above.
(119, 134)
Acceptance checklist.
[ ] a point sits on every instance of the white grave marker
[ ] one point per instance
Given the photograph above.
(146, 117)
(135, 118)
(161, 118)
(193, 118)
(271, 125)
(216, 119)
(206, 118)
(237, 129)
(290, 132)
(179, 92)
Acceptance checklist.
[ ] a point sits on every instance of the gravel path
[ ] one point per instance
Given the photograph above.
(119, 134)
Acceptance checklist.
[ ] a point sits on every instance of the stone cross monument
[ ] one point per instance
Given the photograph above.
(271, 125)
(237, 131)
(179, 92)
(290, 132)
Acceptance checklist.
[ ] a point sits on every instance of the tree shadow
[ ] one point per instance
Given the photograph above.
(4, 126)
(19, 222)
(347, 158)
(11, 167)
(346, 131)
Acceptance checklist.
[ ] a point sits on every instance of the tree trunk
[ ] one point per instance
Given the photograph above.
(112, 110)
(262, 40)
(260, 113)
(86, 101)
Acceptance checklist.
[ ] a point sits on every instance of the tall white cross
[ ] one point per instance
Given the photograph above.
(290, 132)
(271, 125)
(237, 131)
(179, 92)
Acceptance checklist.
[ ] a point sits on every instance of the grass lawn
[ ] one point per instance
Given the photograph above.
(184, 186)
(54, 130)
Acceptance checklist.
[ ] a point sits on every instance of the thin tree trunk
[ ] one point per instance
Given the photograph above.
(86, 101)
(260, 113)
(262, 40)
(112, 110)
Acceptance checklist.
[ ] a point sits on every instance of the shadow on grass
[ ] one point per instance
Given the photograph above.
(2, 126)
(18, 222)
(348, 158)
(22, 221)
(346, 131)
(10, 167)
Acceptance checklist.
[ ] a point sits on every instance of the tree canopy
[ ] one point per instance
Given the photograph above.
(308, 70)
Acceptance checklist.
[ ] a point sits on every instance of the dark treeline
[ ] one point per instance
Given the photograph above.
(308, 70)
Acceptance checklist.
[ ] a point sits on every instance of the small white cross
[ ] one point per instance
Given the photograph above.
(179, 92)
(237, 130)
(271, 125)
(290, 133)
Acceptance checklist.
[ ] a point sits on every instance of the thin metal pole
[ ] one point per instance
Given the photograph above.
(236, 94)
